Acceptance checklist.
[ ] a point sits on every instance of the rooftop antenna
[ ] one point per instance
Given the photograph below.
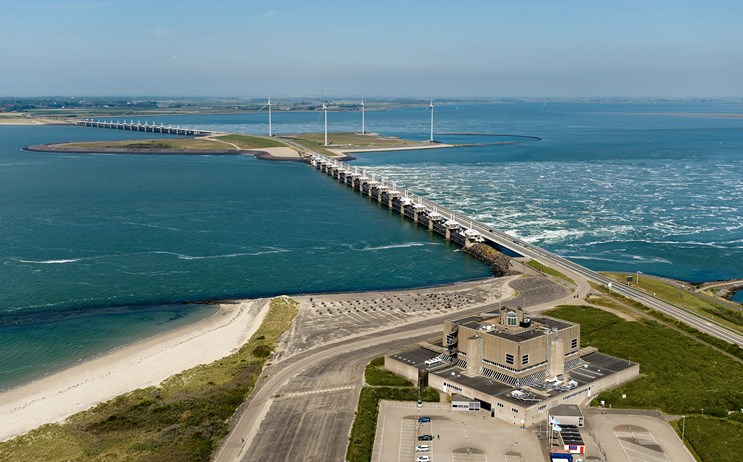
(430, 106)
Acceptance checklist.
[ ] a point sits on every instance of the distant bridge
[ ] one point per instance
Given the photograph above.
(143, 127)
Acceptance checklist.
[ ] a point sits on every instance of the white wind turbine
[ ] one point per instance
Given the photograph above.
(363, 129)
(430, 106)
(268, 105)
(325, 113)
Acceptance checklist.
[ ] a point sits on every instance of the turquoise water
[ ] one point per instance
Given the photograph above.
(88, 240)
(98, 251)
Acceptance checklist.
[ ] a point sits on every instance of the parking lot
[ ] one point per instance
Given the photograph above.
(638, 438)
(458, 436)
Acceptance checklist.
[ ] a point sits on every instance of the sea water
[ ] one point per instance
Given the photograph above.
(100, 250)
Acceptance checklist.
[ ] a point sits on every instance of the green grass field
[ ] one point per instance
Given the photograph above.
(252, 142)
(314, 142)
(687, 299)
(547, 270)
(680, 375)
(181, 420)
(181, 144)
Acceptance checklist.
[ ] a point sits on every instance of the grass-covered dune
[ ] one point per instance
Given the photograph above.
(181, 420)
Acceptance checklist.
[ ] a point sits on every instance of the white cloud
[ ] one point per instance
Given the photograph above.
(268, 14)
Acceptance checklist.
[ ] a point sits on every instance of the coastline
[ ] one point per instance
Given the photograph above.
(149, 361)
(273, 154)
(138, 365)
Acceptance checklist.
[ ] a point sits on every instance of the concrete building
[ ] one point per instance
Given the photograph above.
(515, 366)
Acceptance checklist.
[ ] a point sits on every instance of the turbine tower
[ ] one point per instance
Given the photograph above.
(325, 112)
(268, 105)
(430, 106)
(270, 129)
(363, 130)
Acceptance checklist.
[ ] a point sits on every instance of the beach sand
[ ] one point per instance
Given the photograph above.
(142, 364)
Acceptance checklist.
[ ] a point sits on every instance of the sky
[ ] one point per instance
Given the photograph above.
(417, 48)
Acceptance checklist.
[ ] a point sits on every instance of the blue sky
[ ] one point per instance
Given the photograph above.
(496, 48)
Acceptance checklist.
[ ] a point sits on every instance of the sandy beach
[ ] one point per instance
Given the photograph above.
(142, 364)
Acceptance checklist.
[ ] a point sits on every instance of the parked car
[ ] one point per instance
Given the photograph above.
(422, 448)
(425, 438)
(423, 459)
(424, 419)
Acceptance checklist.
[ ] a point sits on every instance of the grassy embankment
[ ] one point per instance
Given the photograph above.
(381, 384)
(731, 348)
(314, 142)
(680, 376)
(182, 419)
(551, 271)
(217, 144)
(687, 299)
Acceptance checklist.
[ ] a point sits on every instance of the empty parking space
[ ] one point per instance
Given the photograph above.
(639, 445)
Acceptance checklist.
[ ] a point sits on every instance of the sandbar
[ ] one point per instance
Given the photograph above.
(139, 365)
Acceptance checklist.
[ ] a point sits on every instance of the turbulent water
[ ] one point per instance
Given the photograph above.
(96, 250)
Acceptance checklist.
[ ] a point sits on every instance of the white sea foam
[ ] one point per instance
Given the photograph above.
(51, 262)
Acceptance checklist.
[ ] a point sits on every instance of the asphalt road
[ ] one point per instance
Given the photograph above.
(304, 406)
(581, 272)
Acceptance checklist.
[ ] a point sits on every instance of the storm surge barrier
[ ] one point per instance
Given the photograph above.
(465, 231)
(143, 127)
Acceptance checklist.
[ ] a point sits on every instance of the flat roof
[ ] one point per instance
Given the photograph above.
(597, 365)
(528, 333)
(417, 357)
(569, 410)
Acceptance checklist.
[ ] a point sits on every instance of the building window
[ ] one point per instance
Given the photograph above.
(574, 343)
(509, 358)
(514, 410)
(525, 359)
(512, 320)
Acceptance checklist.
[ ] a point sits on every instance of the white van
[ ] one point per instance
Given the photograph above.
(432, 361)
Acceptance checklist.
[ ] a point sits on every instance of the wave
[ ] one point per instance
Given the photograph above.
(395, 246)
(181, 256)
(50, 262)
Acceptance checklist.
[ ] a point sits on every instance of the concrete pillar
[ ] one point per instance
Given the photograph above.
(474, 355)
(447, 236)
(415, 216)
(430, 224)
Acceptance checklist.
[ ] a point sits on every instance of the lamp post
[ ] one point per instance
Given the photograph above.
(683, 427)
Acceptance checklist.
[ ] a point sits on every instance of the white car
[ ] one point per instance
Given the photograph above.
(422, 448)
(423, 459)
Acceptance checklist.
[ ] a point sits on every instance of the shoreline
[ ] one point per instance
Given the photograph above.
(263, 154)
(140, 364)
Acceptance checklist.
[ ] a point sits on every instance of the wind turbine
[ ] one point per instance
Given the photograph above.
(268, 105)
(430, 106)
(363, 130)
(325, 113)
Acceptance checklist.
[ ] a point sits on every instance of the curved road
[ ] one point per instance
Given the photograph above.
(298, 431)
